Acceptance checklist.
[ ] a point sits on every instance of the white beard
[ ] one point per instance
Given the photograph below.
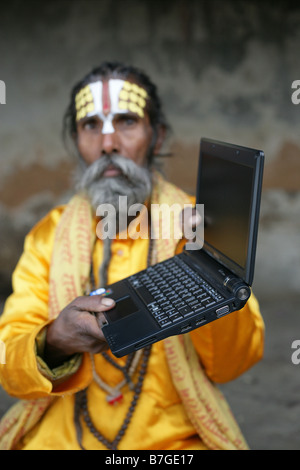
(134, 183)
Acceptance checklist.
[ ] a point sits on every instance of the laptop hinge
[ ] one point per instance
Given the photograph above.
(214, 271)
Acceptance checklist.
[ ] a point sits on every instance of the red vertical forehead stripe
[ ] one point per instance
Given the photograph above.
(105, 98)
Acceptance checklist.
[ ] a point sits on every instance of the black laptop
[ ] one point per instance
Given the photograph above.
(196, 287)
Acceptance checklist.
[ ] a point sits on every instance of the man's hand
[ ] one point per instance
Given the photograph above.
(77, 329)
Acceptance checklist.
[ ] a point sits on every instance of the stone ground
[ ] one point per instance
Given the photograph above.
(265, 400)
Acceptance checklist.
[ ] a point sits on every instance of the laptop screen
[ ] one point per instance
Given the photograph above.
(228, 188)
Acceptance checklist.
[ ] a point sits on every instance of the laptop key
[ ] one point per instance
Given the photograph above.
(175, 317)
(165, 321)
(209, 303)
(199, 308)
(145, 295)
(185, 311)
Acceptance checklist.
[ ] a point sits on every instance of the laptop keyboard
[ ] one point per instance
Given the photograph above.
(173, 291)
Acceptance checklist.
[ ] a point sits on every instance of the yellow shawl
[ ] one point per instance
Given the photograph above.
(69, 273)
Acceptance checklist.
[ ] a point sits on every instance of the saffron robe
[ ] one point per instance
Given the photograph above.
(226, 348)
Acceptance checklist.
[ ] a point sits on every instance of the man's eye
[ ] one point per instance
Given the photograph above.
(91, 124)
(130, 121)
(126, 121)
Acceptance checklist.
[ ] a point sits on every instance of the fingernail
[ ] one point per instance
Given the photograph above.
(107, 301)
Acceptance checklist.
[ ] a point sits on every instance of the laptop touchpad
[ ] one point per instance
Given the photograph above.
(124, 307)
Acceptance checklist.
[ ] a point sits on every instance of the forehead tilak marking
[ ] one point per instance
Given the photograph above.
(105, 98)
(84, 102)
(117, 96)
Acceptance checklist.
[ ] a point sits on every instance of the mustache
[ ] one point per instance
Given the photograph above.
(134, 181)
(130, 171)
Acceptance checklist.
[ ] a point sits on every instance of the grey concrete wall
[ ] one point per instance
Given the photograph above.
(224, 70)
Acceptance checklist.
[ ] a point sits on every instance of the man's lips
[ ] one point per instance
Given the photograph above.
(112, 170)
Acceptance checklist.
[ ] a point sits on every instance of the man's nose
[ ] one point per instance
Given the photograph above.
(109, 144)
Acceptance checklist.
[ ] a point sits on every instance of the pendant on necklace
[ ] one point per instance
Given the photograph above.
(114, 399)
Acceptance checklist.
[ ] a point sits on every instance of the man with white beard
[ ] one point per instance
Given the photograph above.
(75, 393)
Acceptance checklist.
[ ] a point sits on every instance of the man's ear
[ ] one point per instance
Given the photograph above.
(160, 138)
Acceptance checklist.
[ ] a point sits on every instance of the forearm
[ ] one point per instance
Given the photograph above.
(52, 352)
